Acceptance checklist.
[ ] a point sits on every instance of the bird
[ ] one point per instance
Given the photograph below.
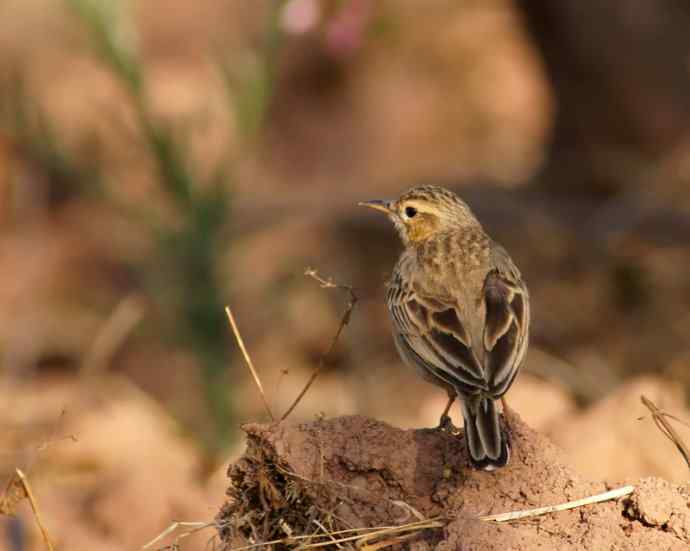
(460, 312)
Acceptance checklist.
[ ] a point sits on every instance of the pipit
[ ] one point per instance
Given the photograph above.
(460, 312)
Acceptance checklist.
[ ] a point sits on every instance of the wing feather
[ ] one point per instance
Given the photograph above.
(431, 333)
(506, 329)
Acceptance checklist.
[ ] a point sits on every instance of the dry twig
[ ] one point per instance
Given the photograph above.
(325, 284)
(53, 439)
(13, 494)
(515, 515)
(248, 360)
(661, 421)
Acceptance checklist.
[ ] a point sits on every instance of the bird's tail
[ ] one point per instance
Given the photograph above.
(487, 443)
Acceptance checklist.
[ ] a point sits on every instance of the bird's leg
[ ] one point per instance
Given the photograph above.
(445, 423)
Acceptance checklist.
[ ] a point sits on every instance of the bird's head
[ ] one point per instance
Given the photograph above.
(424, 212)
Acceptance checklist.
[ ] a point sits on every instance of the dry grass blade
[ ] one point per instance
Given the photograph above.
(661, 421)
(411, 511)
(515, 515)
(359, 538)
(20, 479)
(345, 319)
(376, 533)
(386, 543)
(119, 325)
(248, 360)
(396, 534)
(194, 527)
(329, 534)
(676, 419)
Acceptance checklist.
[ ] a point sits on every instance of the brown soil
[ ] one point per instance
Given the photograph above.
(353, 471)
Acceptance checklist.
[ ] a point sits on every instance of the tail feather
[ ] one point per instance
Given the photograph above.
(487, 444)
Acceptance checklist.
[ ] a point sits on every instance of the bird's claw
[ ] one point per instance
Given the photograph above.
(445, 424)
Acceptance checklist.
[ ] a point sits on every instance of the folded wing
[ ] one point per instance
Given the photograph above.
(431, 332)
(506, 330)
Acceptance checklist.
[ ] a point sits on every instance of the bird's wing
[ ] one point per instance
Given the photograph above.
(506, 327)
(430, 331)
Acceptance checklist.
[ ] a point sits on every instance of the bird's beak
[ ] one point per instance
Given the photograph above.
(377, 204)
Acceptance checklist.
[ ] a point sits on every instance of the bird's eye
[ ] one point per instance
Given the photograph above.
(410, 212)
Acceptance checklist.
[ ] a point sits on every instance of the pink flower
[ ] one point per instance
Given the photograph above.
(300, 16)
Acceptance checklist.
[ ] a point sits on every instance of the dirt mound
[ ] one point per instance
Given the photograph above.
(352, 472)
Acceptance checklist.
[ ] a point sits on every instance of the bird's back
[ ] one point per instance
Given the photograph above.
(451, 271)
(454, 266)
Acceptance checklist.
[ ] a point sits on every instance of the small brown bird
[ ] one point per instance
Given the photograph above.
(460, 311)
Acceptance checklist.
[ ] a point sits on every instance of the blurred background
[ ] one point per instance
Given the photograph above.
(159, 160)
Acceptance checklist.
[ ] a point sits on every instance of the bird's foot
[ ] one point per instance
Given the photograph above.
(445, 424)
